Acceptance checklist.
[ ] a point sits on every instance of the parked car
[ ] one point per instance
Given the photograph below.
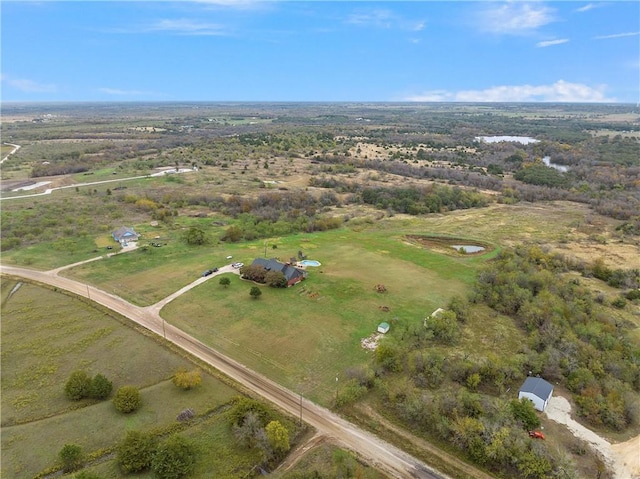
(207, 272)
(237, 265)
(215, 270)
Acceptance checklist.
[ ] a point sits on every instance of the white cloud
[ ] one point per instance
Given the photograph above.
(184, 26)
(549, 43)
(587, 7)
(515, 18)
(377, 18)
(560, 91)
(28, 86)
(383, 18)
(617, 35)
(119, 92)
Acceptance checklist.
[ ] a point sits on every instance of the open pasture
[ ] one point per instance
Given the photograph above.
(46, 336)
(306, 335)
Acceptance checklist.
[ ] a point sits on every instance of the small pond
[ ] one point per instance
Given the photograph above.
(547, 161)
(468, 248)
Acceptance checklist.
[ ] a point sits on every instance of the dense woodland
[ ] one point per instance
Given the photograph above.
(572, 340)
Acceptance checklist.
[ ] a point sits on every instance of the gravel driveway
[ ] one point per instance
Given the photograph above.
(625, 465)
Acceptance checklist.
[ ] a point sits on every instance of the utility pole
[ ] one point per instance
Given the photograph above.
(164, 334)
(88, 294)
(336, 390)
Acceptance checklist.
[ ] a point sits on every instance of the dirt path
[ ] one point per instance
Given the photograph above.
(623, 459)
(373, 450)
(15, 148)
(48, 191)
(298, 453)
(424, 445)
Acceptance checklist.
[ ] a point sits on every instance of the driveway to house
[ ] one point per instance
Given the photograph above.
(373, 450)
(154, 309)
(624, 461)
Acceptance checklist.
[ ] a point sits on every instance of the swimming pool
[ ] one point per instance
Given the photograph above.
(310, 262)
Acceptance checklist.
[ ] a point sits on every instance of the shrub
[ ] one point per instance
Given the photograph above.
(186, 415)
(186, 379)
(71, 457)
(275, 279)
(127, 399)
(524, 412)
(255, 292)
(633, 294)
(134, 453)
(195, 236)
(278, 436)
(78, 386)
(619, 302)
(174, 458)
(100, 387)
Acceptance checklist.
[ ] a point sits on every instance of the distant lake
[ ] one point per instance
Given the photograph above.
(525, 140)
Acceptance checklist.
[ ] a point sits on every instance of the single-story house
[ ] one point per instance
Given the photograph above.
(538, 391)
(292, 274)
(125, 234)
(383, 328)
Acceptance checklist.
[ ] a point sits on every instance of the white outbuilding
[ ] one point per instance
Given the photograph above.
(383, 328)
(538, 391)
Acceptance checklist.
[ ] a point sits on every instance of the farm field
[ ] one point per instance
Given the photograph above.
(40, 351)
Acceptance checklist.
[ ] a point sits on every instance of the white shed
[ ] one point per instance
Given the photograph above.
(538, 391)
(383, 328)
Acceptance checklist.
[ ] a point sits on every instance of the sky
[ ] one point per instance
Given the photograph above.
(361, 51)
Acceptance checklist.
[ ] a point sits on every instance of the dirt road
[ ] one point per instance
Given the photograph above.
(376, 452)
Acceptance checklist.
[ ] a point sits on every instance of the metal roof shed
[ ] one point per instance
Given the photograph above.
(538, 391)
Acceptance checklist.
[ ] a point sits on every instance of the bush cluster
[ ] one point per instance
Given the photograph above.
(80, 386)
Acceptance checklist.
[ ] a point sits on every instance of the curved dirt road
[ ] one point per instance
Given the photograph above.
(376, 452)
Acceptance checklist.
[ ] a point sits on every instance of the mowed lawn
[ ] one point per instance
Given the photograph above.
(45, 337)
(306, 335)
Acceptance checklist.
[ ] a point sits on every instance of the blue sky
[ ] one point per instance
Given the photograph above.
(247, 50)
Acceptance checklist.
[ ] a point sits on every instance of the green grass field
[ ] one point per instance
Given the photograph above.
(41, 349)
(306, 335)
(303, 336)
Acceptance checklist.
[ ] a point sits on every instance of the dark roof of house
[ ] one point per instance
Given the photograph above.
(537, 386)
(124, 232)
(289, 271)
